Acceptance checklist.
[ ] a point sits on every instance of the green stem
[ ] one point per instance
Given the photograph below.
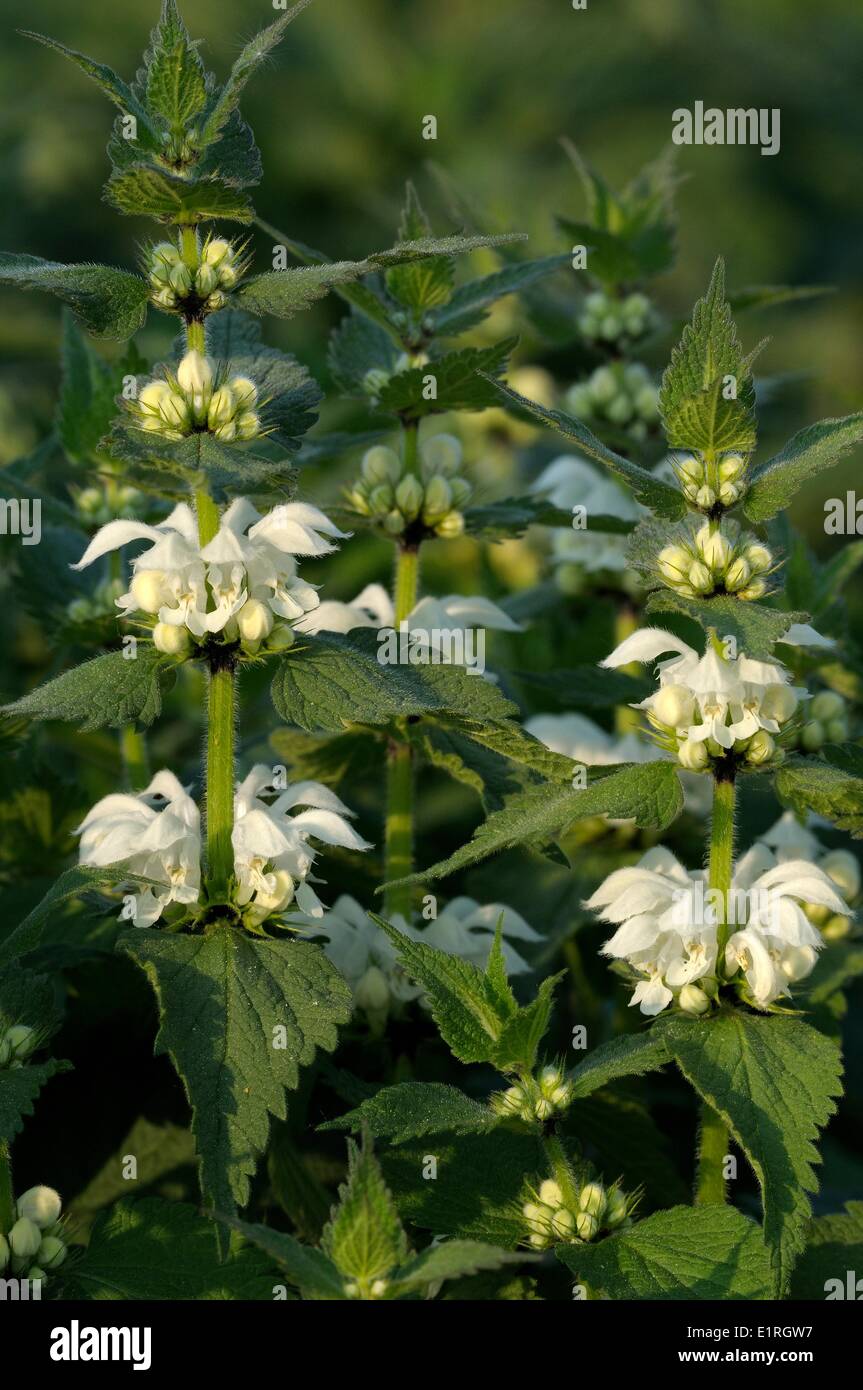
(561, 1171)
(136, 762)
(626, 720)
(208, 517)
(7, 1197)
(399, 828)
(713, 1138)
(220, 780)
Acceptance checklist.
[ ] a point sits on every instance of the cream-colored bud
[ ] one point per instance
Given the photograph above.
(394, 523)
(180, 279)
(441, 454)
(797, 962)
(248, 425)
(21, 1040)
(254, 620)
(761, 748)
(51, 1253)
(673, 705)
(450, 526)
(737, 575)
(148, 590)
(172, 640)
(690, 468)
(705, 497)
(812, 736)
(245, 391)
(267, 903)
(25, 1238)
(409, 497)
(41, 1205)
(844, 869)
(759, 558)
(700, 578)
(692, 755)
(153, 394)
(586, 1225)
(756, 589)
(673, 563)
(731, 468)
(550, 1193)
(165, 253)
(616, 1211)
(195, 374)
(222, 407)
(730, 494)
(381, 499)
(713, 547)
(462, 492)
(438, 499)
(778, 702)
(174, 410)
(206, 280)
(216, 250)
(563, 1224)
(693, 1000)
(226, 432)
(591, 1198)
(372, 992)
(381, 465)
(827, 705)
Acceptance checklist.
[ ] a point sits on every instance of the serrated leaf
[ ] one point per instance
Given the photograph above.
(158, 1150)
(175, 79)
(357, 347)
(588, 687)
(685, 1253)
(87, 395)
(773, 1080)
(19, 1089)
(251, 57)
(812, 450)
(145, 191)
(308, 1269)
(336, 680)
(692, 398)
(364, 1238)
(631, 1055)
(453, 1260)
(414, 1109)
(660, 496)
(71, 884)
(494, 520)
(834, 1251)
(648, 793)
(464, 380)
(769, 296)
(222, 999)
(836, 792)
(113, 86)
(105, 692)
(110, 303)
(755, 628)
(153, 1249)
(287, 292)
(469, 303)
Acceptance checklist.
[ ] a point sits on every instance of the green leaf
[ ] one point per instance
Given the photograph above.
(113, 86)
(660, 496)
(336, 680)
(104, 693)
(308, 1269)
(419, 285)
(755, 627)
(159, 1149)
(364, 1238)
(453, 1260)
(812, 450)
(413, 1109)
(87, 395)
(769, 296)
(463, 380)
(685, 1253)
(831, 790)
(175, 78)
(773, 1080)
(469, 304)
(287, 292)
(588, 687)
(648, 793)
(359, 346)
(145, 191)
(248, 61)
(694, 410)
(834, 1250)
(631, 1055)
(71, 884)
(154, 1249)
(19, 1089)
(239, 1017)
(110, 303)
(495, 520)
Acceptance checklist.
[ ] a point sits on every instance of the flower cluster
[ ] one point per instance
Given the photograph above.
(619, 394)
(609, 318)
(35, 1244)
(537, 1098)
(17, 1042)
(826, 722)
(203, 287)
(197, 400)
(788, 839)
(668, 923)
(708, 707)
(716, 560)
(156, 833)
(710, 485)
(552, 1220)
(367, 959)
(399, 501)
(240, 587)
(572, 483)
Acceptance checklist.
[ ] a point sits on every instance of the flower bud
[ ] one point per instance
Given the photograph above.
(673, 705)
(438, 499)
(731, 468)
(550, 1193)
(394, 523)
(778, 702)
(461, 492)
(152, 396)
(381, 465)
(381, 499)
(41, 1205)
(827, 705)
(690, 468)
(164, 253)
(713, 547)
(730, 494)
(620, 410)
(759, 558)
(693, 1000)
(616, 1211)
(174, 410)
(837, 928)
(673, 563)
(761, 747)
(596, 303)
(603, 385)
(180, 279)
(586, 1225)
(610, 327)
(244, 391)
(222, 407)
(372, 992)
(693, 755)
(265, 904)
(172, 640)
(700, 578)
(25, 1238)
(797, 962)
(836, 730)
(754, 590)
(563, 1224)
(508, 1102)
(812, 736)
(359, 499)
(206, 280)
(737, 575)
(579, 401)
(441, 454)
(844, 869)
(281, 639)
(51, 1253)
(647, 404)
(451, 526)
(216, 251)
(636, 304)
(226, 432)
(195, 374)
(409, 497)
(592, 1199)
(254, 620)
(705, 497)
(248, 425)
(21, 1040)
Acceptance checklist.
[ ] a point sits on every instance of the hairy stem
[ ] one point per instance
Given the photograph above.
(399, 828)
(220, 780)
(7, 1199)
(713, 1132)
(561, 1170)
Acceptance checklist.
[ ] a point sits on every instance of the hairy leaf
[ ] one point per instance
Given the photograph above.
(463, 380)
(110, 303)
(631, 1055)
(105, 692)
(755, 628)
(831, 790)
(19, 1089)
(834, 1250)
(413, 1109)
(774, 482)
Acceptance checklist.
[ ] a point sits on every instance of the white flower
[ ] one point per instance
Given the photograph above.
(155, 833)
(272, 856)
(790, 840)
(571, 481)
(733, 698)
(466, 929)
(579, 738)
(250, 559)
